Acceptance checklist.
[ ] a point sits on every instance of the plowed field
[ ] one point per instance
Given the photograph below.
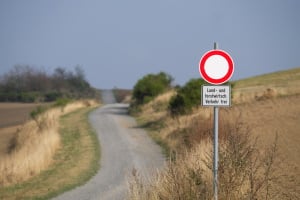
(12, 115)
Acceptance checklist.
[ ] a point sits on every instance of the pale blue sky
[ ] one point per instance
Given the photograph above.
(117, 41)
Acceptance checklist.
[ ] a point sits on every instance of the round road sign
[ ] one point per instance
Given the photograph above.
(216, 67)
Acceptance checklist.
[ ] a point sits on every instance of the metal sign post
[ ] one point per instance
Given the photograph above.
(216, 150)
(216, 67)
(216, 147)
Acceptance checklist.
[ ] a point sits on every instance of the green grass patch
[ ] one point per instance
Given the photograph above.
(74, 163)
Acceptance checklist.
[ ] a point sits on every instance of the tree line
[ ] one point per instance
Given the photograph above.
(25, 83)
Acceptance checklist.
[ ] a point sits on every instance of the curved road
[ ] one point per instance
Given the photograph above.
(123, 148)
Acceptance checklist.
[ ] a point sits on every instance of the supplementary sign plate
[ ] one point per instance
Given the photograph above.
(216, 95)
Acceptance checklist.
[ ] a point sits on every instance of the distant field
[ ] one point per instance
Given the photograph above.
(12, 115)
(282, 83)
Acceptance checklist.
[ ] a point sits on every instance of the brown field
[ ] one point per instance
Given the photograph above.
(269, 117)
(12, 115)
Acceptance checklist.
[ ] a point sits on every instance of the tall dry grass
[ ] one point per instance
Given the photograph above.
(245, 172)
(181, 179)
(34, 146)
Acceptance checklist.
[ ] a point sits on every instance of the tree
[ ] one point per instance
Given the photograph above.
(28, 84)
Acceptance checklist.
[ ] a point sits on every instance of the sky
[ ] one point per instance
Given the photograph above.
(117, 42)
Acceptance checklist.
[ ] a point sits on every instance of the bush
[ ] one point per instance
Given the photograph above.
(28, 97)
(150, 86)
(36, 113)
(186, 98)
(62, 102)
(52, 96)
(177, 105)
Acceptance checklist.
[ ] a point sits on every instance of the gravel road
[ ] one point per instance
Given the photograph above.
(124, 147)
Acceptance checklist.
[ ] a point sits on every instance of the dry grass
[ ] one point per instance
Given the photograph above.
(6, 135)
(12, 116)
(166, 129)
(245, 172)
(267, 86)
(267, 104)
(179, 180)
(32, 150)
(74, 163)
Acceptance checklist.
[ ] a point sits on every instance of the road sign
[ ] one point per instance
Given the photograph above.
(216, 95)
(216, 67)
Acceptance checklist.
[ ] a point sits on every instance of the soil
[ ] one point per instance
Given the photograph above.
(273, 116)
(12, 115)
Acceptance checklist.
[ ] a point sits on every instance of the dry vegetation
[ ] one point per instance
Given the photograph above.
(12, 116)
(75, 161)
(263, 107)
(281, 83)
(245, 172)
(34, 145)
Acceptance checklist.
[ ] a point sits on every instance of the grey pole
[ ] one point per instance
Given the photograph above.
(216, 152)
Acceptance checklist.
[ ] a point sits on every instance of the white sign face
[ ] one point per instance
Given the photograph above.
(216, 95)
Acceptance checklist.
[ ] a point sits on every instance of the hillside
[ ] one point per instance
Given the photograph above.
(280, 83)
(263, 106)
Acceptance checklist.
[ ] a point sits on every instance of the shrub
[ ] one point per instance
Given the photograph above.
(37, 111)
(52, 96)
(186, 98)
(62, 102)
(177, 105)
(28, 97)
(38, 117)
(150, 86)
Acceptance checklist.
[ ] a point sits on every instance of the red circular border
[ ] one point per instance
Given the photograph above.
(210, 79)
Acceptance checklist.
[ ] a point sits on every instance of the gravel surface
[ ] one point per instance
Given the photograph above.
(124, 147)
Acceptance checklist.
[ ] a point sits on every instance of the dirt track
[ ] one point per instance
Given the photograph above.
(123, 148)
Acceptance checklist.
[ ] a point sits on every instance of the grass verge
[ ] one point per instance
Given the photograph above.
(75, 162)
